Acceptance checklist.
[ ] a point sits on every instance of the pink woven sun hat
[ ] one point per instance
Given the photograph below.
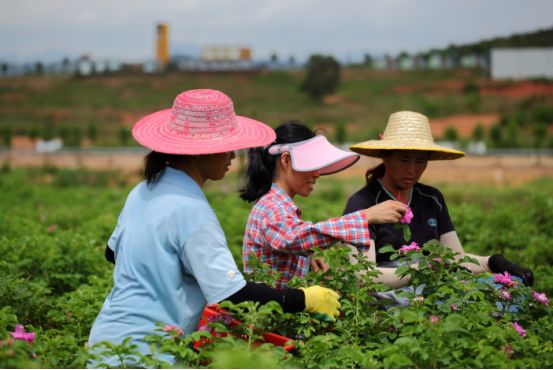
(316, 154)
(200, 122)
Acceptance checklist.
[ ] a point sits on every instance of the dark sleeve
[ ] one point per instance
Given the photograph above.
(110, 256)
(291, 300)
(444, 221)
(354, 204)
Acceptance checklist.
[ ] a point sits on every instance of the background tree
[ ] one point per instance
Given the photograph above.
(6, 132)
(496, 135)
(540, 135)
(124, 136)
(368, 60)
(34, 132)
(513, 133)
(340, 135)
(451, 134)
(292, 61)
(323, 76)
(92, 132)
(478, 132)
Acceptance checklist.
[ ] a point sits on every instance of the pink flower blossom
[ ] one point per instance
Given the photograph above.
(519, 329)
(407, 248)
(505, 295)
(504, 279)
(540, 297)
(453, 307)
(407, 217)
(434, 319)
(174, 329)
(20, 334)
(203, 327)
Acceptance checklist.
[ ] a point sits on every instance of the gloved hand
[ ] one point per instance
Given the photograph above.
(500, 264)
(322, 301)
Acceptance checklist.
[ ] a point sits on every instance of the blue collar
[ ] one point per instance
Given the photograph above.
(182, 180)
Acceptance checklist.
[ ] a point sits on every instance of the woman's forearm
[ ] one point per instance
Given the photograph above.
(451, 240)
(388, 274)
(388, 277)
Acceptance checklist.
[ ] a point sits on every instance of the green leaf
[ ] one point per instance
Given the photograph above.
(387, 249)
(406, 232)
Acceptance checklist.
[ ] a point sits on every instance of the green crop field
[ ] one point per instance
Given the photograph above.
(54, 225)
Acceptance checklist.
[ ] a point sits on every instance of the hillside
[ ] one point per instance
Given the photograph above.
(104, 108)
(540, 38)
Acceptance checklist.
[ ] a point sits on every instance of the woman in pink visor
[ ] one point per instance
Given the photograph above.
(275, 233)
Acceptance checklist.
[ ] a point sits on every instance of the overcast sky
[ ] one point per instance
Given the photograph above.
(125, 29)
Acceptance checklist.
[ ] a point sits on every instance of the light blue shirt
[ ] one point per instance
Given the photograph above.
(171, 258)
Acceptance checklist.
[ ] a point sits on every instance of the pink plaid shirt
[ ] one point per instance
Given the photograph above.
(277, 236)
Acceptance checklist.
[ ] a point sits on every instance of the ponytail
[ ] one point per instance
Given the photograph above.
(259, 175)
(261, 165)
(155, 163)
(375, 172)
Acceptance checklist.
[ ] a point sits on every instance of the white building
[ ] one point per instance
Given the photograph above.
(521, 63)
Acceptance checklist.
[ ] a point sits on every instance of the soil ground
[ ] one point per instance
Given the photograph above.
(487, 170)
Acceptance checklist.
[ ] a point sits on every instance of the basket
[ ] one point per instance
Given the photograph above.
(213, 310)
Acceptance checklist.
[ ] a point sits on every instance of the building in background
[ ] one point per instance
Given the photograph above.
(521, 63)
(219, 58)
(162, 54)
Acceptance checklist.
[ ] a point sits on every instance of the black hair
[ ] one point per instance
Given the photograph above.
(155, 163)
(261, 165)
(375, 172)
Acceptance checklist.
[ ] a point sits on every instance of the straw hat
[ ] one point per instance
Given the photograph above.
(406, 131)
(200, 122)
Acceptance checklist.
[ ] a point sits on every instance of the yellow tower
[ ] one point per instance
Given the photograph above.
(163, 44)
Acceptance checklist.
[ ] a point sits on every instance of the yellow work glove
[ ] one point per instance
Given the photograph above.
(322, 302)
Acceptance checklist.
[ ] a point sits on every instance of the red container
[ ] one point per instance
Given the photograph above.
(277, 340)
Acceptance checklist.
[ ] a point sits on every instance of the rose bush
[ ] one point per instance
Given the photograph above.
(53, 281)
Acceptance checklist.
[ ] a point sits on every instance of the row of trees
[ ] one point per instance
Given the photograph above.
(505, 136)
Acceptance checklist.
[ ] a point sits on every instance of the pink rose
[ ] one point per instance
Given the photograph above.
(504, 279)
(407, 248)
(519, 329)
(505, 295)
(174, 329)
(540, 297)
(434, 319)
(407, 217)
(20, 334)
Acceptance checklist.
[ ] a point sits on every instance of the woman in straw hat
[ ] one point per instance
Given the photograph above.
(405, 148)
(170, 253)
(275, 233)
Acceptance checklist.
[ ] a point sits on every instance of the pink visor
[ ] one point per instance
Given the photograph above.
(316, 154)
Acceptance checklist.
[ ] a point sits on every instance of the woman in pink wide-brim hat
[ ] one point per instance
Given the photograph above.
(170, 253)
